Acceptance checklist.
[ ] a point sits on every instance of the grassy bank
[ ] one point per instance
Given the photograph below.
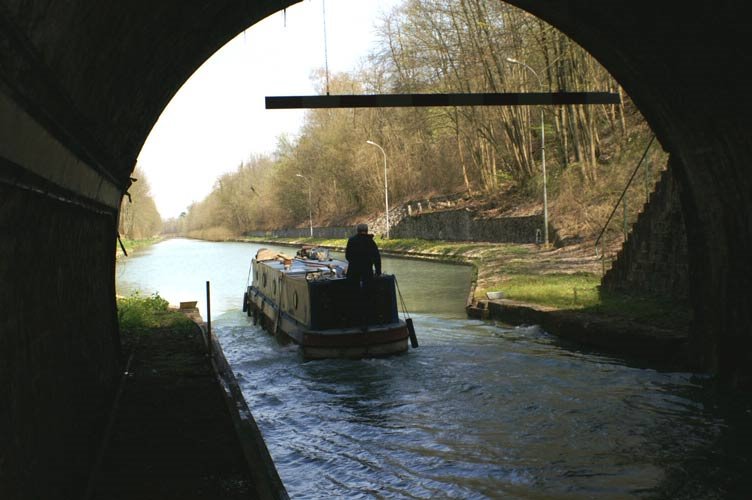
(140, 314)
(134, 245)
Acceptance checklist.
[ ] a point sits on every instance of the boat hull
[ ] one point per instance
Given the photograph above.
(359, 352)
(352, 343)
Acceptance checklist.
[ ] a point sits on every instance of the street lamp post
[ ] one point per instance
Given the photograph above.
(386, 190)
(543, 153)
(310, 216)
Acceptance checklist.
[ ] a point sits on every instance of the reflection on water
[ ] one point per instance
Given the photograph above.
(478, 411)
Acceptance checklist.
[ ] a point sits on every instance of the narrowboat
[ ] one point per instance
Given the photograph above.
(308, 300)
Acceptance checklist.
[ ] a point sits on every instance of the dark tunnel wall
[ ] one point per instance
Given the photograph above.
(59, 356)
(82, 83)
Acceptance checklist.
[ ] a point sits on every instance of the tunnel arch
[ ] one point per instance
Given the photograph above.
(82, 83)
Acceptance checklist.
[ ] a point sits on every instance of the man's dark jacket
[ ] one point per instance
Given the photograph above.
(362, 256)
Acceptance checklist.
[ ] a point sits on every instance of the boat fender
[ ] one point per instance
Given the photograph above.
(245, 302)
(411, 330)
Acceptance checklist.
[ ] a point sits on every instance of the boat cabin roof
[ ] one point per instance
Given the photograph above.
(297, 266)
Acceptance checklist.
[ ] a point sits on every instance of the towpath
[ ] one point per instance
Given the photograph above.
(172, 434)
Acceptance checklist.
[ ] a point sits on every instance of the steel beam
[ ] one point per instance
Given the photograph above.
(423, 100)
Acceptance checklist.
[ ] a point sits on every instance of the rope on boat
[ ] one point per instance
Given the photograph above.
(408, 319)
(122, 247)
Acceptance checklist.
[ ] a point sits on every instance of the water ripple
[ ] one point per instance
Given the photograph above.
(479, 411)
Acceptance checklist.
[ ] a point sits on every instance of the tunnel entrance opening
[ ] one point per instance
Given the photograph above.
(82, 83)
(530, 149)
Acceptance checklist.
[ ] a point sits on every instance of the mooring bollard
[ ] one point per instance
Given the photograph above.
(208, 319)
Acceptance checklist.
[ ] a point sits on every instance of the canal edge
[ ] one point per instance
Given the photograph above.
(660, 347)
(260, 464)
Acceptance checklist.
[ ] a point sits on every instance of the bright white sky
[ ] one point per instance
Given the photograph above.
(217, 119)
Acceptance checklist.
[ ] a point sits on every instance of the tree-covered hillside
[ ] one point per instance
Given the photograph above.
(445, 46)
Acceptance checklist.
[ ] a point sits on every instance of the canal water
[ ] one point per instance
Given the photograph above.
(479, 410)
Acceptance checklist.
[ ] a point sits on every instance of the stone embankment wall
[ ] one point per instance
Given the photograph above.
(654, 258)
(462, 225)
(451, 225)
(432, 219)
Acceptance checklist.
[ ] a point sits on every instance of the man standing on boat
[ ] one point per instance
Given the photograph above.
(362, 256)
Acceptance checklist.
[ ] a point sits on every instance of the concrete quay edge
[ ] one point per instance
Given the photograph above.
(611, 335)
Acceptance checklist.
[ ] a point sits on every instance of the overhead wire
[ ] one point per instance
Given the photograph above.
(326, 52)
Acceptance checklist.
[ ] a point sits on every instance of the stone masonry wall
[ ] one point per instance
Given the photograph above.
(451, 225)
(462, 225)
(410, 221)
(654, 258)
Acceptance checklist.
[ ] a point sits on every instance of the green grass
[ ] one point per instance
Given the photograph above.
(337, 243)
(138, 313)
(563, 291)
(516, 250)
(133, 245)
(297, 241)
(654, 310)
(582, 292)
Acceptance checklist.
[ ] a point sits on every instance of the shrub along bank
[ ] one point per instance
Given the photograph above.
(138, 313)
